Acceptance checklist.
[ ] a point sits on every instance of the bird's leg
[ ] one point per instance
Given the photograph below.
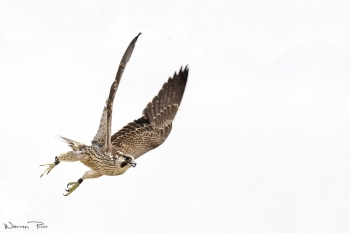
(70, 156)
(74, 185)
(71, 186)
(50, 166)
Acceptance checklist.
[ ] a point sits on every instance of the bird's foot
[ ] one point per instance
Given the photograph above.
(50, 166)
(72, 186)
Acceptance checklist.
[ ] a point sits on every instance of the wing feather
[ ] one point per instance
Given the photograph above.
(154, 127)
(103, 135)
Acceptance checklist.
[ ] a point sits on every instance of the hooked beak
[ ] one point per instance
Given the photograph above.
(133, 164)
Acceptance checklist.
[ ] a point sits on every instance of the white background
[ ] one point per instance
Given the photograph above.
(260, 143)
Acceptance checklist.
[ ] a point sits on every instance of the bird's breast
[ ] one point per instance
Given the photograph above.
(99, 161)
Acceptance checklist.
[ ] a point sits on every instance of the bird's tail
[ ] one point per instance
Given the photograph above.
(76, 146)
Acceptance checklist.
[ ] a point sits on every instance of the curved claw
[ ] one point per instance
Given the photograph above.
(50, 166)
(48, 169)
(74, 186)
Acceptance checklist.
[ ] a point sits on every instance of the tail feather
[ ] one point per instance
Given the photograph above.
(76, 146)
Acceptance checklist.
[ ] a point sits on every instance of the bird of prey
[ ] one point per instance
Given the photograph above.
(112, 155)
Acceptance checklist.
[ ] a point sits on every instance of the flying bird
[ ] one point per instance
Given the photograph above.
(112, 155)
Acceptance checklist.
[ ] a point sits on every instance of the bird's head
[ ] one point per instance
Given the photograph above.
(128, 161)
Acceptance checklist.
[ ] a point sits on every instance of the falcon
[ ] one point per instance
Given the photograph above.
(112, 155)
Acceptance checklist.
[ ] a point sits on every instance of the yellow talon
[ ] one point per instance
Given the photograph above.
(72, 186)
(50, 166)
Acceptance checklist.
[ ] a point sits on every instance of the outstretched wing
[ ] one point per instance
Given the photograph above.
(103, 135)
(153, 128)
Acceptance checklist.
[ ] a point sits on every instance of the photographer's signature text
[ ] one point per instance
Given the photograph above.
(36, 224)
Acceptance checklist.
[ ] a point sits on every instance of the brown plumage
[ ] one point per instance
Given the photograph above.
(112, 155)
(153, 128)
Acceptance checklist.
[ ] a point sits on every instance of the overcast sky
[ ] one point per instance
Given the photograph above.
(260, 143)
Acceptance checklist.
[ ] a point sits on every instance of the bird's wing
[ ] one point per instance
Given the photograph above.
(103, 135)
(153, 128)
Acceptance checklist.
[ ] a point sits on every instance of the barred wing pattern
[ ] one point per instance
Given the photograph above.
(153, 128)
(104, 130)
